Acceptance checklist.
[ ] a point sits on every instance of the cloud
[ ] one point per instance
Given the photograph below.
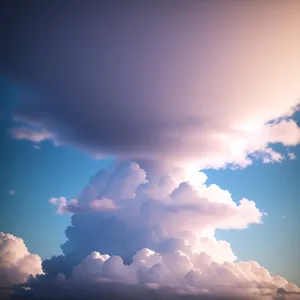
(138, 235)
(102, 205)
(178, 88)
(292, 156)
(187, 82)
(177, 269)
(127, 197)
(64, 205)
(71, 206)
(173, 275)
(12, 192)
(29, 134)
(16, 263)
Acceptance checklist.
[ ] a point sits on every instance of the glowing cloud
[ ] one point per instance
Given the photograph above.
(16, 263)
(159, 233)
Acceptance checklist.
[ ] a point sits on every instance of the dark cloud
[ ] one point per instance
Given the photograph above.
(88, 57)
(147, 79)
(105, 234)
(105, 290)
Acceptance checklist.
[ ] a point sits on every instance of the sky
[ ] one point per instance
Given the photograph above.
(150, 148)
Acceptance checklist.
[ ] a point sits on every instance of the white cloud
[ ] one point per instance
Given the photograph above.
(102, 205)
(181, 270)
(292, 156)
(64, 205)
(179, 205)
(16, 263)
(12, 192)
(176, 216)
(175, 196)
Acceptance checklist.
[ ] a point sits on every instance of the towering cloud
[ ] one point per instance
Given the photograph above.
(159, 234)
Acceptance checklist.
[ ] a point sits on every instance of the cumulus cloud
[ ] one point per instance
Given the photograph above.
(188, 81)
(155, 236)
(161, 202)
(102, 204)
(64, 205)
(16, 263)
(292, 156)
(179, 270)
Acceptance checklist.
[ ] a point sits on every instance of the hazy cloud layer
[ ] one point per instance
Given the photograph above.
(179, 80)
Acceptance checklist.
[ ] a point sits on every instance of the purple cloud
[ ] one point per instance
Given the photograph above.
(179, 83)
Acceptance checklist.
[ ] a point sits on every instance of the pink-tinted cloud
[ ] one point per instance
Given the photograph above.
(30, 134)
(16, 263)
(174, 196)
(157, 231)
(103, 205)
(244, 280)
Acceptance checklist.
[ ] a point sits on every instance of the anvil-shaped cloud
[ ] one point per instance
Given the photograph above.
(195, 80)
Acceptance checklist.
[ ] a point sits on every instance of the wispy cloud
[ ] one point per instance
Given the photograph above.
(292, 156)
